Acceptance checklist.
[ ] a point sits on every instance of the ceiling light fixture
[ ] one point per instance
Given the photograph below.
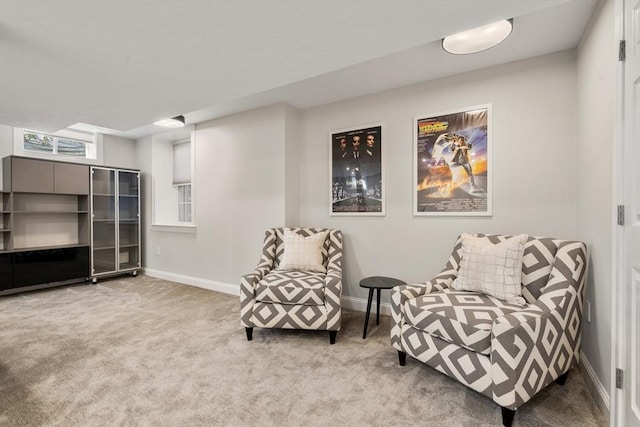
(176, 122)
(478, 39)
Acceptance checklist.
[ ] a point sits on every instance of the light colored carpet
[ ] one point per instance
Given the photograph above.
(147, 352)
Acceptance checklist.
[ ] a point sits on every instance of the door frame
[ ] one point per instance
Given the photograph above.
(620, 289)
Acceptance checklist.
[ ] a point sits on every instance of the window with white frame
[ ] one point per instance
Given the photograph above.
(182, 178)
(173, 205)
(63, 144)
(184, 202)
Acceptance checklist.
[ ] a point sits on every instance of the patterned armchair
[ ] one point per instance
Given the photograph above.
(271, 298)
(505, 351)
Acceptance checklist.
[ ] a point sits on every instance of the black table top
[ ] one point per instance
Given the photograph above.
(380, 282)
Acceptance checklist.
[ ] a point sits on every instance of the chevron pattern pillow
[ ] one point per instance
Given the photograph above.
(302, 252)
(492, 269)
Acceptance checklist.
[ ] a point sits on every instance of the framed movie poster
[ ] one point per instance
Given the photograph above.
(452, 163)
(357, 185)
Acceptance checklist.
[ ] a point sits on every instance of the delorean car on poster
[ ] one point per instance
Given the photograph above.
(452, 163)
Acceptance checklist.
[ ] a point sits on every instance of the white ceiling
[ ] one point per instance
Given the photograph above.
(123, 64)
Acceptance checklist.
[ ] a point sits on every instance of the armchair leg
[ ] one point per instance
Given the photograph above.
(249, 332)
(562, 378)
(402, 358)
(332, 337)
(507, 416)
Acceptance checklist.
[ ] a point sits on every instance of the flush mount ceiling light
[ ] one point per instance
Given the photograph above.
(478, 39)
(176, 122)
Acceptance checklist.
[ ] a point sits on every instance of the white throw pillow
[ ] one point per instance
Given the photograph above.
(302, 253)
(492, 269)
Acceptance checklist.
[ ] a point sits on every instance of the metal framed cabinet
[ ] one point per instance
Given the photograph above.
(115, 221)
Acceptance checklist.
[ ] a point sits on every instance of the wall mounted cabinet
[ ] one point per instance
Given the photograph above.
(115, 221)
(24, 175)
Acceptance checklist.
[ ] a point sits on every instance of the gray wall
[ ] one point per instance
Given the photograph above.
(292, 166)
(119, 152)
(240, 190)
(534, 170)
(597, 58)
(6, 141)
(247, 164)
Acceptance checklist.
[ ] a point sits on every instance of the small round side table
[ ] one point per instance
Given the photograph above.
(378, 283)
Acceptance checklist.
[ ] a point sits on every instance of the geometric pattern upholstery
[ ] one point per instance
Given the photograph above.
(528, 347)
(466, 366)
(286, 299)
(537, 261)
(458, 317)
(291, 287)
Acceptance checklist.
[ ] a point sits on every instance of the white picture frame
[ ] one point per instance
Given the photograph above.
(452, 163)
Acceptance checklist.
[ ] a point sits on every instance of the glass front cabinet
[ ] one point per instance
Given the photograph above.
(115, 221)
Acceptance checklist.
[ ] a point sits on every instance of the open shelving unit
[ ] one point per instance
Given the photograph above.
(45, 220)
(5, 225)
(45, 223)
(6, 258)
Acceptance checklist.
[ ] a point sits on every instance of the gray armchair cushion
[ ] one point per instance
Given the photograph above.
(292, 287)
(459, 317)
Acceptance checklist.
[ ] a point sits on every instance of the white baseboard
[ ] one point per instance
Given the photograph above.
(597, 389)
(360, 304)
(351, 303)
(212, 285)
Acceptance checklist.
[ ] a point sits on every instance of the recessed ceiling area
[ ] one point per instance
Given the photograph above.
(118, 66)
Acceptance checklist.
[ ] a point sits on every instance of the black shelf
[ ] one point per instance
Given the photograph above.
(50, 265)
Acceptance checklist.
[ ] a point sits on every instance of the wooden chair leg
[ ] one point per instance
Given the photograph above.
(402, 358)
(562, 378)
(507, 416)
(332, 337)
(249, 332)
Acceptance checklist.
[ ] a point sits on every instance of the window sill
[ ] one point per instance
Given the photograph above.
(191, 229)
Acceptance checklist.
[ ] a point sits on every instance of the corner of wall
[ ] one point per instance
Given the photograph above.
(595, 79)
(6, 143)
(595, 386)
(292, 165)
